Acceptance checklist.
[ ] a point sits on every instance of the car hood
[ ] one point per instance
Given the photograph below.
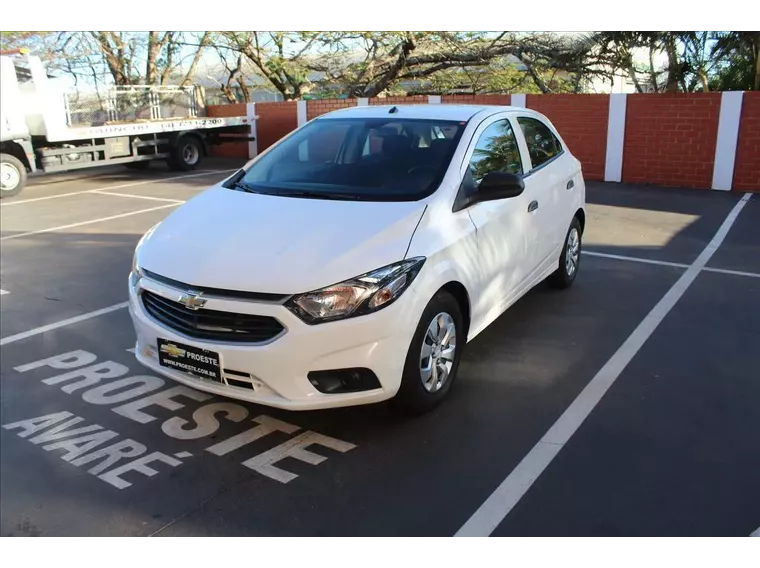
(260, 243)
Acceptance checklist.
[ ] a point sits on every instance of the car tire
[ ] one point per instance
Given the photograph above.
(570, 258)
(12, 175)
(186, 154)
(420, 391)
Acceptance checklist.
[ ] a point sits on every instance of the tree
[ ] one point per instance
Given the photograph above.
(367, 64)
(499, 154)
(279, 57)
(622, 49)
(125, 53)
(370, 63)
(121, 58)
(699, 63)
(501, 75)
(234, 69)
(696, 60)
(382, 60)
(738, 54)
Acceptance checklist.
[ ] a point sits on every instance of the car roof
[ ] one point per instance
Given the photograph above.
(420, 111)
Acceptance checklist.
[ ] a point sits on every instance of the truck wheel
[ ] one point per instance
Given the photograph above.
(186, 154)
(12, 175)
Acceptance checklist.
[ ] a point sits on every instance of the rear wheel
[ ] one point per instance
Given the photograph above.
(570, 259)
(12, 175)
(433, 358)
(186, 154)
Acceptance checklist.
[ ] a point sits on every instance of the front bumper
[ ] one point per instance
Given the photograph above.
(278, 369)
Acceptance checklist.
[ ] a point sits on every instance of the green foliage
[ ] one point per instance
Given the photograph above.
(499, 76)
(370, 63)
(498, 152)
(738, 57)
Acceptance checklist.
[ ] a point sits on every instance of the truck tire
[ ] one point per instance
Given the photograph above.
(186, 153)
(12, 175)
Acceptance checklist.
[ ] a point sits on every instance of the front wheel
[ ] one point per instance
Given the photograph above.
(570, 259)
(433, 358)
(12, 175)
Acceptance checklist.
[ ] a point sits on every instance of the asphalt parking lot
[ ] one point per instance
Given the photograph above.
(628, 405)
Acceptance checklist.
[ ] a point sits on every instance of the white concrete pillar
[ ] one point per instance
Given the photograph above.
(728, 137)
(301, 112)
(519, 100)
(613, 166)
(253, 145)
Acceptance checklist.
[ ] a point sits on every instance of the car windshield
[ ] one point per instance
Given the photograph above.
(375, 159)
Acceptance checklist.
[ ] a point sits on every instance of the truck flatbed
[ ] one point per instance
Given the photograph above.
(145, 127)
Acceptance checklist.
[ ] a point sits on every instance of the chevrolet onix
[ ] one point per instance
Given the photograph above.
(351, 262)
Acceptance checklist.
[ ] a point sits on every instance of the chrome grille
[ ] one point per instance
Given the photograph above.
(210, 324)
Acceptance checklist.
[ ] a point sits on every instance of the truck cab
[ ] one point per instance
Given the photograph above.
(15, 139)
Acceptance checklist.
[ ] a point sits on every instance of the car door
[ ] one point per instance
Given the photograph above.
(503, 226)
(546, 179)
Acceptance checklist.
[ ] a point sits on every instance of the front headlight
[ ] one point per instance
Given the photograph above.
(358, 296)
(136, 273)
(136, 267)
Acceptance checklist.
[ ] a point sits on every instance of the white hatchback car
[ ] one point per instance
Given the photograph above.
(352, 261)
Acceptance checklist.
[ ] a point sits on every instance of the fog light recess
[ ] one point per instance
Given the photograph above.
(337, 381)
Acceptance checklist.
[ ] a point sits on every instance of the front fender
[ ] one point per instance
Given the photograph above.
(449, 243)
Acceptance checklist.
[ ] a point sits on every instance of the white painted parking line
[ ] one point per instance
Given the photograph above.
(734, 272)
(498, 505)
(62, 323)
(635, 259)
(82, 223)
(2, 292)
(666, 263)
(118, 186)
(132, 195)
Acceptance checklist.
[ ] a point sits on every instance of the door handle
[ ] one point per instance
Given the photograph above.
(533, 206)
(570, 184)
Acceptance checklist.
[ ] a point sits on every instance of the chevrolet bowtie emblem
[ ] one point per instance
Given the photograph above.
(192, 300)
(173, 350)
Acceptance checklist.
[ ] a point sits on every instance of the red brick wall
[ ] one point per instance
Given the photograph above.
(275, 121)
(582, 122)
(670, 139)
(322, 106)
(477, 99)
(228, 149)
(747, 164)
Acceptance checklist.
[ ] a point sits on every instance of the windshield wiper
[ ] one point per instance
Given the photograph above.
(244, 187)
(299, 193)
(317, 195)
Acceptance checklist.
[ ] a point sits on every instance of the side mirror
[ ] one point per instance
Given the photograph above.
(499, 185)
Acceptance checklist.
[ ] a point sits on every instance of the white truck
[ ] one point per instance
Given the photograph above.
(46, 129)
